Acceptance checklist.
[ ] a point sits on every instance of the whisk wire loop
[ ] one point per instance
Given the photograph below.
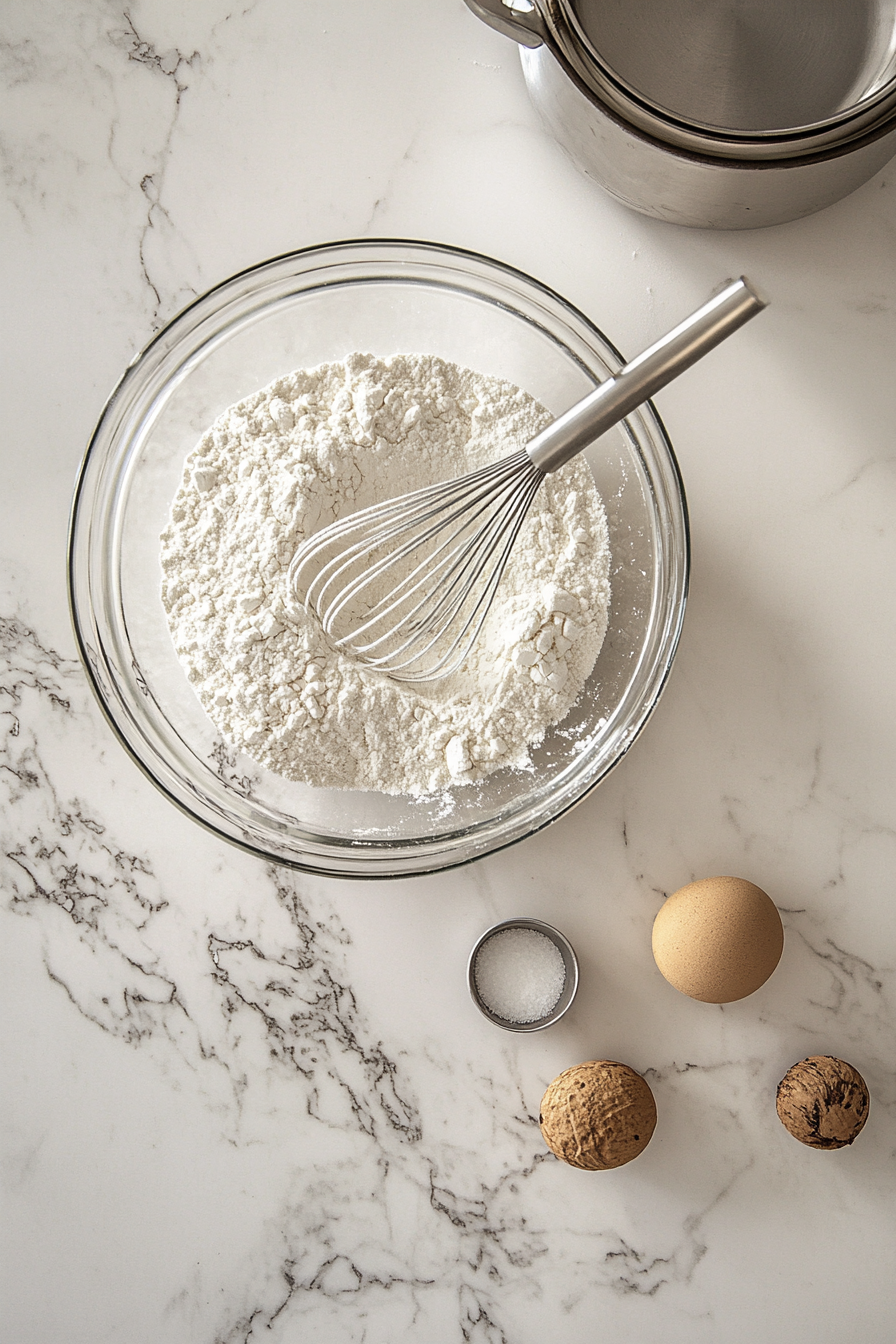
(456, 560)
(451, 506)
(459, 597)
(403, 513)
(456, 536)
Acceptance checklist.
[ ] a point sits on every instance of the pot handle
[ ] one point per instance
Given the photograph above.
(525, 26)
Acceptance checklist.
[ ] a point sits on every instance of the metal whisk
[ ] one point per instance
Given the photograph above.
(443, 549)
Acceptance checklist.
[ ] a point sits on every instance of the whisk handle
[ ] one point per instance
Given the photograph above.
(646, 374)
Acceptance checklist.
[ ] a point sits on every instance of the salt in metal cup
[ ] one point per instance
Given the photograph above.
(570, 966)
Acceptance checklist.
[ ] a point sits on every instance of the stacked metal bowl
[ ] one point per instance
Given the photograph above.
(726, 114)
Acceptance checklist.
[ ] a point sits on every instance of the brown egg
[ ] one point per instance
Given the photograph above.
(718, 939)
(823, 1102)
(598, 1115)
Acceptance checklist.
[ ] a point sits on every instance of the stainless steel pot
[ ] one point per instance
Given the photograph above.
(690, 172)
(743, 78)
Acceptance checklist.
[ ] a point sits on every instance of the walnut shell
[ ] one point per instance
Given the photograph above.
(598, 1115)
(823, 1102)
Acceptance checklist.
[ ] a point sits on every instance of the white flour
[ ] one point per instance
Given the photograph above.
(324, 442)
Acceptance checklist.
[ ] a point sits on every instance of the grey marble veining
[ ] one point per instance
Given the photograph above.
(244, 1104)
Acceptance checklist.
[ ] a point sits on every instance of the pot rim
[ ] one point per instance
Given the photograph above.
(554, 24)
(787, 159)
(848, 123)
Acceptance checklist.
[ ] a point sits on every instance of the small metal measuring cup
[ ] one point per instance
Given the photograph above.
(570, 966)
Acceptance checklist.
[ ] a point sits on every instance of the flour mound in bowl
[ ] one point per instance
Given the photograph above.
(322, 443)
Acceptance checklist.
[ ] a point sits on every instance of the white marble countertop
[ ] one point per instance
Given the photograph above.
(242, 1104)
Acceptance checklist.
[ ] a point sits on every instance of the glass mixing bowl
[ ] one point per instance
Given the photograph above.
(299, 310)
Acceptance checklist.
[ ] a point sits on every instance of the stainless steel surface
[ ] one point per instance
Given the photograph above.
(687, 188)
(743, 67)
(754, 80)
(650, 371)
(570, 962)
(525, 26)
(443, 549)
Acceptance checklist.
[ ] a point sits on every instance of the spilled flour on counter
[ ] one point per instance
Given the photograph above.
(319, 444)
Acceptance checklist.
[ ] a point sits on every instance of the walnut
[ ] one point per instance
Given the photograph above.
(823, 1102)
(598, 1115)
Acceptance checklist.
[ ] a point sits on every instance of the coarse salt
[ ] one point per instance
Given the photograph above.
(519, 974)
